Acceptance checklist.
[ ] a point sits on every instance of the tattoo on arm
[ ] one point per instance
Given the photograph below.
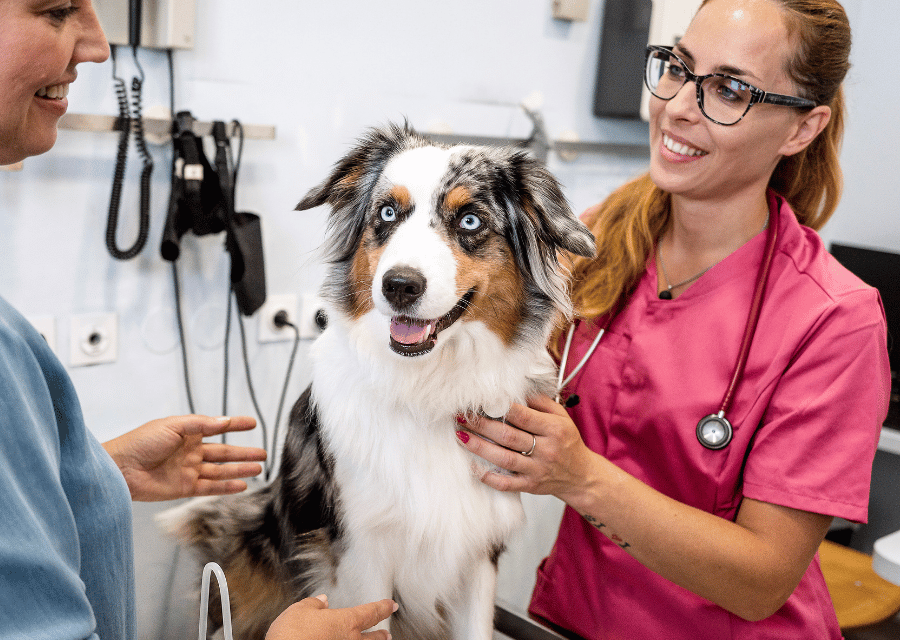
(594, 522)
(600, 526)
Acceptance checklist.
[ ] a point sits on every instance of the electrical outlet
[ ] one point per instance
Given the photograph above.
(313, 318)
(268, 332)
(46, 326)
(94, 339)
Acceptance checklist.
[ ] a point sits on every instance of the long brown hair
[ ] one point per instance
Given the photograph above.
(629, 222)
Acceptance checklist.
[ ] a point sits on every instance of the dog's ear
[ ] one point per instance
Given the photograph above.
(541, 224)
(542, 198)
(348, 188)
(342, 186)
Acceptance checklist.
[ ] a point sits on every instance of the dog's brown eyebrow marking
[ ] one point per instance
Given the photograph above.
(402, 197)
(458, 196)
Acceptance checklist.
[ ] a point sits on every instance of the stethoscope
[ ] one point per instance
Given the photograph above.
(713, 431)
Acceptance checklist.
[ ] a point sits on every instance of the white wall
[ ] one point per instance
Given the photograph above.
(869, 213)
(321, 73)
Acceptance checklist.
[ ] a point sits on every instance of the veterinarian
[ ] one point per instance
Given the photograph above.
(675, 527)
(66, 564)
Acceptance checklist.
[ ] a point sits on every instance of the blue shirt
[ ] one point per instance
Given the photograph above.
(66, 556)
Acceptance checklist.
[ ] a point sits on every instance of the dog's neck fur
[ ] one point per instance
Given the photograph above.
(470, 370)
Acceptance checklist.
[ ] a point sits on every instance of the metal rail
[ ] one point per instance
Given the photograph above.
(160, 127)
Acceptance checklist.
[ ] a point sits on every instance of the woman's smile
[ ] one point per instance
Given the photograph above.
(680, 151)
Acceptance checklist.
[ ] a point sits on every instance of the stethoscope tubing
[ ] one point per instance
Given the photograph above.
(560, 383)
(753, 317)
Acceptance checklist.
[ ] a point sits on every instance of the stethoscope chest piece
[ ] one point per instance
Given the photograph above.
(714, 431)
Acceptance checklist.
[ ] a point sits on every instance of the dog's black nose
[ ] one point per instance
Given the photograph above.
(403, 286)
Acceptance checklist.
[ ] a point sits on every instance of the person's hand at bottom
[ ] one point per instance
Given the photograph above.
(311, 619)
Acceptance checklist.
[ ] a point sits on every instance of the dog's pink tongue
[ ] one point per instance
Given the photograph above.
(408, 333)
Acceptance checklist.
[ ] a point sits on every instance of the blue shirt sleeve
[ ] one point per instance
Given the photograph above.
(66, 563)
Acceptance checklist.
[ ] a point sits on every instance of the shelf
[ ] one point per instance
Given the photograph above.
(565, 148)
(157, 127)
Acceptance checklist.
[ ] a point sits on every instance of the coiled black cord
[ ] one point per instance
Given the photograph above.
(282, 321)
(115, 197)
(130, 118)
(141, 143)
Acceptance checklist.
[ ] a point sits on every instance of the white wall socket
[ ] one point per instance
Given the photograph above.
(268, 332)
(93, 339)
(309, 326)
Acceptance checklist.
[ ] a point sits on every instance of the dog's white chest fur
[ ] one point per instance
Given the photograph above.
(410, 494)
(391, 427)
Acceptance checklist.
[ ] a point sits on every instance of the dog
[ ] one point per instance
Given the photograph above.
(444, 282)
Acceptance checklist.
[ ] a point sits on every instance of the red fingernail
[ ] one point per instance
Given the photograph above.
(463, 437)
(461, 419)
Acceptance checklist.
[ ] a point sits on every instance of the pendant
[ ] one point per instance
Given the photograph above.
(665, 295)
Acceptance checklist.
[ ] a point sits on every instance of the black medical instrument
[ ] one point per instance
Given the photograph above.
(243, 237)
(196, 202)
(202, 201)
(713, 431)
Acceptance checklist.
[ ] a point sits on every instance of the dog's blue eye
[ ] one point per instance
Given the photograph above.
(470, 222)
(388, 213)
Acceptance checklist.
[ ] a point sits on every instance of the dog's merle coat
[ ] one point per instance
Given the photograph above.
(443, 286)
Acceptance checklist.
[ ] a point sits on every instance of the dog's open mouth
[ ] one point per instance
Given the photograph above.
(416, 337)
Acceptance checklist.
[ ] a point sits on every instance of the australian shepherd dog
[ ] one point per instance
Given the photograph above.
(444, 281)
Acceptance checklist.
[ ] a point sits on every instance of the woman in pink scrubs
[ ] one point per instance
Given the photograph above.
(663, 537)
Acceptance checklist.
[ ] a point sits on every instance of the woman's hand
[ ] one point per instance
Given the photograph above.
(167, 459)
(311, 619)
(559, 464)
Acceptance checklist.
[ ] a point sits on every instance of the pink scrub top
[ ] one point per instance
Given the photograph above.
(806, 416)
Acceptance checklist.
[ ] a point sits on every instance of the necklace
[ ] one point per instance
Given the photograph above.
(667, 293)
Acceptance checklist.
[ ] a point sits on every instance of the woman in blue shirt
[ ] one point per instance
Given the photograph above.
(66, 563)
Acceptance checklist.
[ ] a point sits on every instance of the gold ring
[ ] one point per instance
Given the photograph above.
(533, 445)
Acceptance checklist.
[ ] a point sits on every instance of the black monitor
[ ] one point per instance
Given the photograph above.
(880, 269)
(620, 66)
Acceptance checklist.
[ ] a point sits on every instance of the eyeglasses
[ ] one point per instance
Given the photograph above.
(722, 98)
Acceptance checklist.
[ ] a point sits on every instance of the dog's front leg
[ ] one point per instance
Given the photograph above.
(474, 620)
(363, 575)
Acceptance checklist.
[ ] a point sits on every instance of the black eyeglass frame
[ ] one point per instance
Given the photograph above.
(757, 95)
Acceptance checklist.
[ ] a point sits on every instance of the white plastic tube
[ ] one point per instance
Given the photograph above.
(204, 600)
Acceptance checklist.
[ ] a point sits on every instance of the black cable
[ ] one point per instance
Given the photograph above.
(270, 464)
(225, 350)
(236, 164)
(172, 115)
(225, 356)
(175, 283)
(140, 140)
(184, 360)
(171, 83)
(239, 130)
(262, 423)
